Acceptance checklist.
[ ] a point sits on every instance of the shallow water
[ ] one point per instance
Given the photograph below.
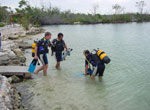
(126, 81)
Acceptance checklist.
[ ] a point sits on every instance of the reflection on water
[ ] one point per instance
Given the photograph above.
(125, 84)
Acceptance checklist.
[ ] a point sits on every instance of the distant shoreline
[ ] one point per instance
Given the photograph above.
(121, 22)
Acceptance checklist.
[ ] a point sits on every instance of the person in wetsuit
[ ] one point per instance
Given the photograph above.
(41, 51)
(58, 46)
(98, 66)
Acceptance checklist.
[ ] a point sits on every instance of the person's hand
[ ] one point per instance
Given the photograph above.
(67, 50)
(35, 57)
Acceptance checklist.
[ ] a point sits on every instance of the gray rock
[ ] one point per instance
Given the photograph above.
(15, 79)
(17, 52)
(24, 46)
(34, 30)
(13, 37)
(5, 98)
(21, 33)
(11, 54)
(12, 32)
(10, 80)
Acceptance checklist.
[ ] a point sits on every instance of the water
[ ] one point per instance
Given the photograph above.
(126, 81)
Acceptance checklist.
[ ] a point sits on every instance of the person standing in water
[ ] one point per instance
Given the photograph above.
(58, 46)
(98, 66)
(41, 51)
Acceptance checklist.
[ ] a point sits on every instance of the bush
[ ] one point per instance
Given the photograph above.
(105, 20)
(2, 25)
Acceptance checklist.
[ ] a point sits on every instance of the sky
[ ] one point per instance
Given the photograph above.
(83, 6)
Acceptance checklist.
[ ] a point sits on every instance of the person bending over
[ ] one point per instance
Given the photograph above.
(98, 66)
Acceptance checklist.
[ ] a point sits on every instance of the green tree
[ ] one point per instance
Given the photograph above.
(118, 9)
(4, 13)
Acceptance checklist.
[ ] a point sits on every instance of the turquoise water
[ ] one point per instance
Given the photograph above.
(126, 81)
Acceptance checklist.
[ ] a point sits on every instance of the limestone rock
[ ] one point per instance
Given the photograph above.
(15, 79)
(11, 54)
(34, 30)
(13, 37)
(21, 33)
(24, 46)
(17, 52)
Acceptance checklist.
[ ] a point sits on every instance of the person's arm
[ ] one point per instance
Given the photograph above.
(49, 44)
(36, 57)
(86, 69)
(65, 46)
(86, 66)
(53, 42)
(36, 49)
(94, 72)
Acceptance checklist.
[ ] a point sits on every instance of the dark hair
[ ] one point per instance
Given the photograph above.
(47, 34)
(86, 52)
(60, 34)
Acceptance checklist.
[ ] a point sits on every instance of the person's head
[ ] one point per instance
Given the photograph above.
(47, 35)
(60, 36)
(86, 52)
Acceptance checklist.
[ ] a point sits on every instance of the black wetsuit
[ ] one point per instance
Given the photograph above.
(94, 60)
(43, 50)
(58, 48)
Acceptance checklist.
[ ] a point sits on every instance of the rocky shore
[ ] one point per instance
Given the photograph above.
(12, 54)
(16, 31)
(10, 99)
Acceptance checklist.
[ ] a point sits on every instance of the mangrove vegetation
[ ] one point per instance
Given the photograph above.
(53, 15)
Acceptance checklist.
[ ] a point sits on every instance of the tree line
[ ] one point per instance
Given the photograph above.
(52, 15)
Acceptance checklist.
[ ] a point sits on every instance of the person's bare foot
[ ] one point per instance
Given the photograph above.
(100, 78)
(92, 77)
(58, 68)
(35, 72)
(45, 74)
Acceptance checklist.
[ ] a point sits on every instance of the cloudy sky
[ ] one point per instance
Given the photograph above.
(83, 6)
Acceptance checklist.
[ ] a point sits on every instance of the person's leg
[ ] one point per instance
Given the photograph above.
(45, 69)
(100, 78)
(58, 58)
(45, 64)
(101, 71)
(43, 59)
(58, 65)
(39, 69)
(92, 77)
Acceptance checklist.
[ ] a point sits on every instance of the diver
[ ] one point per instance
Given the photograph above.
(41, 51)
(58, 46)
(98, 66)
